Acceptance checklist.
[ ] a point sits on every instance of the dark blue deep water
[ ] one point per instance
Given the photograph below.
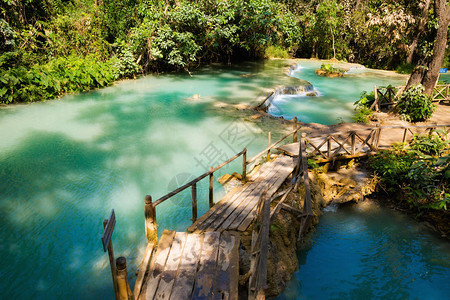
(368, 252)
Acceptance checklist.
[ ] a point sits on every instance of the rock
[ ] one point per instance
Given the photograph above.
(224, 179)
(256, 116)
(237, 175)
(355, 196)
(348, 182)
(241, 106)
(311, 94)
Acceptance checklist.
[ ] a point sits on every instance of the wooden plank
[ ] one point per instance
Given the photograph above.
(158, 263)
(269, 177)
(207, 266)
(170, 269)
(229, 195)
(247, 215)
(226, 271)
(224, 201)
(143, 269)
(222, 213)
(187, 271)
(255, 190)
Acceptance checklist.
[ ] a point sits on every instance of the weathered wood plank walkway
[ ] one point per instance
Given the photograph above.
(193, 266)
(238, 208)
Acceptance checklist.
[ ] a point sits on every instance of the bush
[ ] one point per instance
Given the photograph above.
(328, 68)
(405, 68)
(423, 180)
(429, 144)
(276, 52)
(59, 76)
(415, 106)
(362, 114)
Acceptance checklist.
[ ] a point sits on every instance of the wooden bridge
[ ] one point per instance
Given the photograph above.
(388, 96)
(203, 263)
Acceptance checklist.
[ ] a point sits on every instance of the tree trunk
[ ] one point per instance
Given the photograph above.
(332, 35)
(440, 43)
(420, 30)
(418, 73)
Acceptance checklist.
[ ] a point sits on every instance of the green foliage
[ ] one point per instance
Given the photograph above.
(362, 114)
(276, 52)
(125, 64)
(422, 179)
(59, 76)
(366, 99)
(415, 106)
(328, 68)
(404, 68)
(430, 144)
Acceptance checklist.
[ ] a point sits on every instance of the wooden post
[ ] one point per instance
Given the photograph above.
(122, 279)
(151, 231)
(378, 136)
(244, 165)
(377, 99)
(404, 135)
(353, 142)
(269, 143)
(111, 263)
(211, 186)
(329, 147)
(194, 202)
(295, 138)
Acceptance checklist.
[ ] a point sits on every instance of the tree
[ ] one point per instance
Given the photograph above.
(427, 70)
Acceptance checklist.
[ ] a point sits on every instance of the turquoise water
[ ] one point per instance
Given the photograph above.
(64, 164)
(368, 252)
(336, 96)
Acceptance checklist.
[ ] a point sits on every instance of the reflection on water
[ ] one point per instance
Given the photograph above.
(368, 252)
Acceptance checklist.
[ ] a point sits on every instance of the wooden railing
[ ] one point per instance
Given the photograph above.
(350, 142)
(354, 143)
(150, 206)
(388, 96)
(441, 92)
(266, 151)
(302, 170)
(260, 250)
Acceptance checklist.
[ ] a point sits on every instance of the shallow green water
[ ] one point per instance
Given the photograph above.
(65, 164)
(368, 252)
(336, 96)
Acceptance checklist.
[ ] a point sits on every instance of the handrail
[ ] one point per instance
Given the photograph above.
(260, 250)
(381, 127)
(440, 93)
(302, 169)
(294, 132)
(192, 182)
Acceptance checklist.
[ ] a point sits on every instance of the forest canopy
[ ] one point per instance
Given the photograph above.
(52, 47)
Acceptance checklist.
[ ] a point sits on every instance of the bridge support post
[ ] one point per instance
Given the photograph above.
(124, 292)
(295, 136)
(244, 165)
(194, 202)
(211, 188)
(150, 220)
